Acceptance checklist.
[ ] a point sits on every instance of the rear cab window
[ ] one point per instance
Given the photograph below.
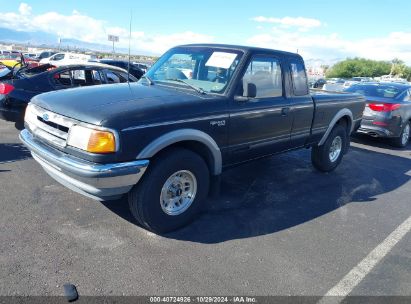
(298, 77)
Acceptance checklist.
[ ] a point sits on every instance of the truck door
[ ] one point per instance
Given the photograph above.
(260, 117)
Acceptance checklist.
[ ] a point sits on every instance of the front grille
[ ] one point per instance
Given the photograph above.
(49, 126)
(53, 125)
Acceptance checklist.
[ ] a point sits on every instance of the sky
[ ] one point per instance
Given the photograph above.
(324, 30)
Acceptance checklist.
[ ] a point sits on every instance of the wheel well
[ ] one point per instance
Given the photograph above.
(345, 121)
(195, 146)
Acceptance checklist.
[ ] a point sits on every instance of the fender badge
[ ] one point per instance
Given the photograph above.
(218, 123)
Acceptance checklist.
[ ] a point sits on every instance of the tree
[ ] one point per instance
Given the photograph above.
(357, 67)
(407, 73)
(399, 69)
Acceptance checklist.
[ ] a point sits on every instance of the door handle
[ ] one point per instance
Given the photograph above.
(285, 111)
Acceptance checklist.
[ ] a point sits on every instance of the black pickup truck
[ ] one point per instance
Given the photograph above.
(200, 109)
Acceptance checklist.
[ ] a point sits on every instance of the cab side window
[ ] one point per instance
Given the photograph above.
(264, 75)
(299, 78)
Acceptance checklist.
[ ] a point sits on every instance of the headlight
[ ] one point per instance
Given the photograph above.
(91, 140)
(30, 116)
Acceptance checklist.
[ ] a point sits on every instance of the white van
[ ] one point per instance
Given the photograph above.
(60, 59)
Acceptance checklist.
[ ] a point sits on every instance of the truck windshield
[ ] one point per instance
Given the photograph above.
(206, 70)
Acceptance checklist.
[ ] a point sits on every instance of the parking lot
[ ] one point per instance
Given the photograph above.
(278, 228)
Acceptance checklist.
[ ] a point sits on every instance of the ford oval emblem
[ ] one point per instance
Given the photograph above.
(45, 117)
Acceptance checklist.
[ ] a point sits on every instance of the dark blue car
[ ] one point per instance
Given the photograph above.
(16, 93)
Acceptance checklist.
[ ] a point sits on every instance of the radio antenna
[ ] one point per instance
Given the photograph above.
(129, 48)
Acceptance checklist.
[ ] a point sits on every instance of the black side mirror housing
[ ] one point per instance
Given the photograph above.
(251, 90)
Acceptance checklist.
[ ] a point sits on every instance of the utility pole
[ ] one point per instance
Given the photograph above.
(113, 39)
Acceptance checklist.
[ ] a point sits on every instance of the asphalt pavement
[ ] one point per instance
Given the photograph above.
(278, 228)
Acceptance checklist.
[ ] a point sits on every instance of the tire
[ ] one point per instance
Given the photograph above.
(402, 141)
(19, 125)
(323, 158)
(149, 199)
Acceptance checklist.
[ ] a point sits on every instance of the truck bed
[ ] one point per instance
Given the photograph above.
(327, 104)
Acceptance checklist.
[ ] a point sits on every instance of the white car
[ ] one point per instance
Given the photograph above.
(335, 87)
(356, 80)
(30, 55)
(335, 80)
(60, 59)
(390, 78)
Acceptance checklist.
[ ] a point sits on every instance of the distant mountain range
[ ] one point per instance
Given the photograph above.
(42, 39)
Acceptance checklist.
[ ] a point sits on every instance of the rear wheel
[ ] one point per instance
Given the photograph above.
(402, 141)
(328, 156)
(172, 192)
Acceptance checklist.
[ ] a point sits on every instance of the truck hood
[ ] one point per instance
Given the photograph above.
(117, 105)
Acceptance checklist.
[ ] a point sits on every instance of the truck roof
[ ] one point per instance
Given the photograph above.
(251, 49)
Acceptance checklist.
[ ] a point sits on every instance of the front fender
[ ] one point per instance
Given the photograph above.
(181, 135)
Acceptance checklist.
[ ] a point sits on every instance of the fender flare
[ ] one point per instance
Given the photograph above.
(176, 136)
(341, 113)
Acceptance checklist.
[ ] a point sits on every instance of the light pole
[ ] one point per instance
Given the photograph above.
(113, 39)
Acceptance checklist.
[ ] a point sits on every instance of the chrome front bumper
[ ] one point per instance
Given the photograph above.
(98, 181)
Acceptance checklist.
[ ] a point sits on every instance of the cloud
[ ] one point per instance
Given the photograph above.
(82, 27)
(158, 43)
(25, 9)
(300, 22)
(332, 47)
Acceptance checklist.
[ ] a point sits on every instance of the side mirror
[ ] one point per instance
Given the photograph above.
(250, 90)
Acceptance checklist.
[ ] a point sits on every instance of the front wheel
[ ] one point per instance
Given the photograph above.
(402, 141)
(172, 192)
(328, 156)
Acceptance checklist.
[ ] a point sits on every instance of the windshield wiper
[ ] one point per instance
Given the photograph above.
(149, 80)
(199, 90)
